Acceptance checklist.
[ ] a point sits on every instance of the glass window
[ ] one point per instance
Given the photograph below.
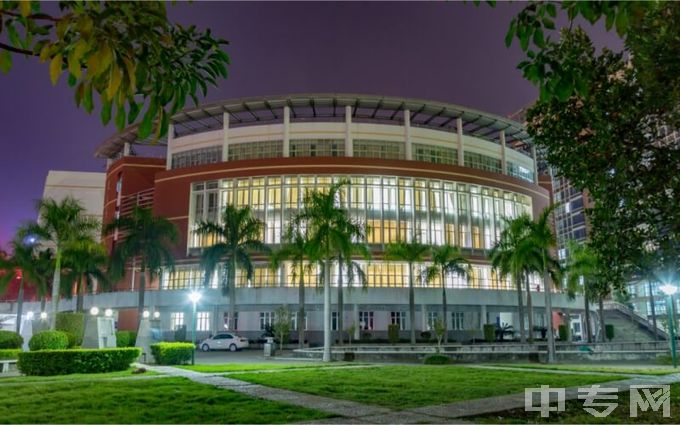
(195, 157)
(366, 320)
(203, 321)
(266, 318)
(398, 318)
(255, 150)
(457, 321)
(176, 320)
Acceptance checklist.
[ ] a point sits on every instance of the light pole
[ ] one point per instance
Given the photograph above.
(669, 290)
(194, 297)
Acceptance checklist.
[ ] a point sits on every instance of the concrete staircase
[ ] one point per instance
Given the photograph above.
(628, 326)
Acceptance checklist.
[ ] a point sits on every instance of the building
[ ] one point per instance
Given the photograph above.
(438, 172)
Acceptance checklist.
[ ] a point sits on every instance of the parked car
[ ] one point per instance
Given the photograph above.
(224, 341)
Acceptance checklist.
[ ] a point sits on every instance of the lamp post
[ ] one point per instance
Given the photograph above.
(194, 297)
(669, 290)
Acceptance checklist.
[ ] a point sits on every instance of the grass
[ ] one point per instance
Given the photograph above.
(167, 400)
(73, 377)
(403, 387)
(574, 413)
(595, 368)
(246, 367)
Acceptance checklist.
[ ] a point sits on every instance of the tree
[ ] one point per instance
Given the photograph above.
(410, 252)
(296, 249)
(238, 235)
(85, 260)
(149, 240)
(23, 265)
(129, 53)
(283, 323)
(581, 272)
(447, 260)
(60, 223)
(354, 273)
(330, 231)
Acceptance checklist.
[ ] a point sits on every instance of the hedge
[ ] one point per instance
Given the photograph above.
(49, 340)
(563, 331)
(73, 323)
(126, 338)
(168, 353)
(489, 332)
(437, 359)
(393, 333)
(10, 353)
(609, 332)
(64, 362)
(9, 339)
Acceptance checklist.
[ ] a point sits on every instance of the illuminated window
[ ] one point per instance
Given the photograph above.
(203, 321)
(176, 320)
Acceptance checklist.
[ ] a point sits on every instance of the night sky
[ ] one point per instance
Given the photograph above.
(451, 52)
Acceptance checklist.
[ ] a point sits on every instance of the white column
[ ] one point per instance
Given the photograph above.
(286, 131)
(504, 164)
(482, 316)
(423, 311)
(459, 132)
(533, 155)
(357, 327)
(407, 134)
(349, 145)
(225, 136)
(126, 149)
(168, 148)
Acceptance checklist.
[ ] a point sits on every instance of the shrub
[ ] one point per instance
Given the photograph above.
(168, 353)
(563, 330)
(437, 359)
(181, 333)
(9, 339)
(489, 332)
(64, 362)
(72, 339)
(73, 323)
(365, 336)
(393, 333)
(348, 356)
(426, 335)
(609, 332)
(9, 353)
(126, 338)
(48, 340)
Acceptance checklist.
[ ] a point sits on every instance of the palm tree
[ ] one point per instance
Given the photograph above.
(61, 222)
(411, 252)
(354, 273)
(331, 231)
(84, 260)
(447, 260)
(238, 234)
(21, 264)
(580, 273)
(508, 258)
(295, 249)
(149, 240)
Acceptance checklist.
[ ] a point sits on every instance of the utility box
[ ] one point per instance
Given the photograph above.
(269, 347)
(100, 332)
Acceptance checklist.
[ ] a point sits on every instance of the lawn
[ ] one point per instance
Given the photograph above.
(247, 367)
(595, 368)
(574, 413)
(166, 400)
(403, 387)
(73, 377)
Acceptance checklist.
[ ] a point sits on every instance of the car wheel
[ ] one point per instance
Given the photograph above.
(205, 347)
(232, 347)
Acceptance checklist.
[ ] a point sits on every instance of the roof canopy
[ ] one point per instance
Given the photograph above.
(331, 107)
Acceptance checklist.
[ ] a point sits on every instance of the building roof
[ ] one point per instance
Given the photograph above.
(330, 107)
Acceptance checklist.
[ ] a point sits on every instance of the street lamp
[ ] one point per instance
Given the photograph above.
(43, 315)
(108, 312)
(669, 290)
(94, 311)
(145, 314)
(194, 297)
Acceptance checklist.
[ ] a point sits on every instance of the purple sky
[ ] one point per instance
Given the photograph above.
(442, 51)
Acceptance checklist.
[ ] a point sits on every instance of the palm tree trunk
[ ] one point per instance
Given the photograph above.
(141, 293)
(548, 315)
(651, 301)
(56, 281)
(444, 310)
(589, 331)
(232, 295)
(603, 327)
(341, 307)
(81, 295)
(43, 302)
(327, 310)
(20, 302)
(520, 309)
(411, 304)
(530, 310)
(301, 308)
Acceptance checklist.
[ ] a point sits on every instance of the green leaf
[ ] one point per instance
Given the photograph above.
(25, 7)
(563, 89)
(552, 11)
(80, 90)
(105, 113)
(510, 34)
(133, 112)
(72, 80)
(147, 121)
(55, 68)
(115, 78)
(120, 117)
(548, 23)
(622, 22)
(5, 61)
(87, 98)
(538, 38)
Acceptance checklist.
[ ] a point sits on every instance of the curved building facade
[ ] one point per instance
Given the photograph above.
(441, 173)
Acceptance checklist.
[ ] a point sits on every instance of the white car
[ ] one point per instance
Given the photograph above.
(224, 341)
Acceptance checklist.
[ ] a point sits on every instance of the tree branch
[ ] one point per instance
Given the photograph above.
(17, 50)
(35, 16)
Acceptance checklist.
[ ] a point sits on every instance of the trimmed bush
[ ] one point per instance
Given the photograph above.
(365, 336)
(49, 340)
(437, 359)
(9, 354)
(168, 353)
(72, 339)
(64, 362)
(563, 330)
(426, 335)
(489, 332)
(73, 323)
(393, 333)
(126, 338)
(9, 339)
(609, 332)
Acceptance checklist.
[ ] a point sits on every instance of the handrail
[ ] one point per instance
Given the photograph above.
(615, 305)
